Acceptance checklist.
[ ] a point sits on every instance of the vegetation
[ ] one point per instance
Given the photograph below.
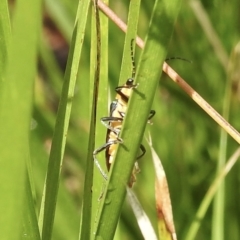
(48, 128)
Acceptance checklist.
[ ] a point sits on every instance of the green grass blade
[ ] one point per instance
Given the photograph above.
(163, 17)
(59, 138)
(102, 110)
(5, 33)
(86, 217)
(16, 204)
(30, 224)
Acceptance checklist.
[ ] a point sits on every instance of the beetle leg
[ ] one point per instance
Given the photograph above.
(106, 120)
(100, 149)
(143, 151)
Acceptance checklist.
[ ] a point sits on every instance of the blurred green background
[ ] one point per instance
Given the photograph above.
(185, 138)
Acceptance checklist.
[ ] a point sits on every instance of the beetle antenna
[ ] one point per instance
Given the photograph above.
(133, 62)
(179, 58)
